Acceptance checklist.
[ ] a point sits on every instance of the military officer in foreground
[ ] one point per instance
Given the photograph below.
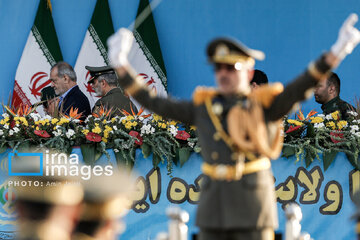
(239, 130)
(105, 84)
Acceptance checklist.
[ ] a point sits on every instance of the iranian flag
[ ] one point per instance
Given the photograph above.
(93, 51)
(41, 51)
(145, 55)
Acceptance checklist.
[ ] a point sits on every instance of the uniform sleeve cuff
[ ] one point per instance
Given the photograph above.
(319, 70)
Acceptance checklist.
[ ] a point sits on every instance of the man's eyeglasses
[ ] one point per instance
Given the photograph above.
(228, 67)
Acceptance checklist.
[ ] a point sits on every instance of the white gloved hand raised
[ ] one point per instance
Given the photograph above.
(348, 38)
(119, 45)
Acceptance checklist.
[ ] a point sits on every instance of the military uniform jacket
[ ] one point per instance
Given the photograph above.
(115, 100)
(337, 104)
(246, 203)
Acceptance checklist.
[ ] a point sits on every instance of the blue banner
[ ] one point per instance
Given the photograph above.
(324, 197)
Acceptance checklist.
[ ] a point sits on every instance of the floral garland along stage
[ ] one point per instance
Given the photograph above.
(169, 141)
(307, 137)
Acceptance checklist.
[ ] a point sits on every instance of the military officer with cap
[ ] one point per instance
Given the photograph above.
(239, 130)
(104, 82)
(106, 200)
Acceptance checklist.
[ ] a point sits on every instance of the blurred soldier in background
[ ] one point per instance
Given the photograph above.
(47, 207)
(106, 200)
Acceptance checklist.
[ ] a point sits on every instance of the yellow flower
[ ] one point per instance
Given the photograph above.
(335, 115)
(130, 117)
(85, 131)
(106, 134)
(62, 121)
(37, 128)
(123, 121)
(157, 117)
(128, 125)
(108, 128)
(104, 140)
(96, 130)
(162, 125)
(317, 120)
(193, 127)
(16, 118)
(295, 122)
(113, 120)
(134, 124)
(104, 121)
(342, 124)
(173, 122)
(6, 119)
(17, 122)
(24, 121)
(54, 120)
(331, 124)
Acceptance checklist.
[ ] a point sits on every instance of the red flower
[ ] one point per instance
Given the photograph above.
(182, 135)
(292, 128)
(42, 133)
(93, 137)
(137, 135)
(336, 135)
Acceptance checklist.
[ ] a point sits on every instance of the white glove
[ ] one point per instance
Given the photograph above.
(348, 38)
(119, 45)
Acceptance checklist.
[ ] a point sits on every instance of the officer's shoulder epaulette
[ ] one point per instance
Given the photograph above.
(265, 94)
(202, 93)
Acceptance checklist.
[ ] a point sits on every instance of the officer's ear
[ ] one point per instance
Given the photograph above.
(332, 89)
(102, 82)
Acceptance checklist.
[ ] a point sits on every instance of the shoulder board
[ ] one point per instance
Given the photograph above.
(202, 93)
(266, 93)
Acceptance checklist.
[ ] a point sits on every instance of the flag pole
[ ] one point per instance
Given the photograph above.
(144, 14)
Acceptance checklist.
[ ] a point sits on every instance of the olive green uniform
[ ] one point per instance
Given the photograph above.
(247, 204)
(116, 101)
(337, 104)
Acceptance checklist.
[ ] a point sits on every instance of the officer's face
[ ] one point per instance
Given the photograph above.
(322, 92)
(233, 80)
(58, 83)
(96, 85)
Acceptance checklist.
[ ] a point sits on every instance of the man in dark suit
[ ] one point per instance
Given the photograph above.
(239, 130)
(105, 84)
(63, 80)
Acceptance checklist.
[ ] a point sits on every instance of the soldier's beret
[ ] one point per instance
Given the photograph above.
(98, 71)
(230, 51)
